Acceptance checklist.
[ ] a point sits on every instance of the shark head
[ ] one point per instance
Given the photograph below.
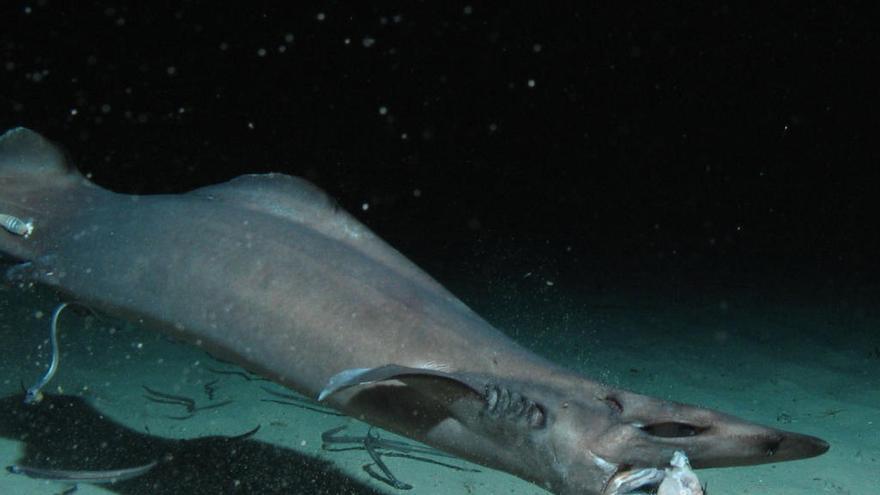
(566, 434)
(607, 440)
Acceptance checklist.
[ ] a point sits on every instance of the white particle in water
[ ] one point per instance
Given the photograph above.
(365, 206)
(261, 52)
(368, 42)
(320, 16)
(531, 83)
(383, 110)
(171, 70)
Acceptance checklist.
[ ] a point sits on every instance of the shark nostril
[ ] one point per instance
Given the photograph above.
(772, 446)
(672, 429)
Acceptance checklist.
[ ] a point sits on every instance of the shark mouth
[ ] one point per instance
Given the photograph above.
(677, 479)
(623, 479)
(672, 429)
(627, 480)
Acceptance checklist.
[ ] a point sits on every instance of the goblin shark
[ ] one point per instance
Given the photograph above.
(267, 271)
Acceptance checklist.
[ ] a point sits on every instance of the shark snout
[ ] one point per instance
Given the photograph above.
(731, 442)
(762, 446)
(798, 446)
(709, 438)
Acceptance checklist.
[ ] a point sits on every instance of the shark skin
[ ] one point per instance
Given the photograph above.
(267, 271)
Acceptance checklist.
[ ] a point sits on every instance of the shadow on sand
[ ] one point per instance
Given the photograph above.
(65, 432)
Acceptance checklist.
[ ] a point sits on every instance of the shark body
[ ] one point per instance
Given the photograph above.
(267, 271)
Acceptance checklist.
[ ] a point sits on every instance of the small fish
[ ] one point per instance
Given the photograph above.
(95, 477)
(680, 478)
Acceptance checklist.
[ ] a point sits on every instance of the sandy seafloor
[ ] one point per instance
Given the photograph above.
(805, 360)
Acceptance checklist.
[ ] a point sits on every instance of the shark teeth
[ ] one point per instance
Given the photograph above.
(677, 479)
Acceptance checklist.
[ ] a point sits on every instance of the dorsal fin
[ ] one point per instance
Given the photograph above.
(24, 152)
(298, 200)
(288, 197)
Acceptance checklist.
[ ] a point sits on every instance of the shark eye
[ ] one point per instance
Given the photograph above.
(614, 403)
(672, 429)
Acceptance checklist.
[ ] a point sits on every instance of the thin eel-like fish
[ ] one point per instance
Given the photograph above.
(35, 394)
(96, 477)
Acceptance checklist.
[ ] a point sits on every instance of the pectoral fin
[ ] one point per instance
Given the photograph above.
(481, 402)
(457, 384)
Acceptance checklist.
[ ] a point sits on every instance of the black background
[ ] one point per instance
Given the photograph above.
(705, 138)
